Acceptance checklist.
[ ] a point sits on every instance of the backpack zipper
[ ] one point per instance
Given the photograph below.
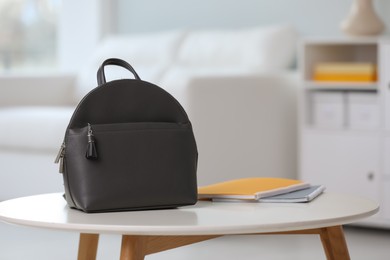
(91, 152)
(60, 157)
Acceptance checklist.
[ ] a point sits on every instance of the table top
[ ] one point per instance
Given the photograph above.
(204, 218)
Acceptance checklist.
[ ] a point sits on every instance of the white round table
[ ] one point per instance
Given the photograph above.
(147, 232)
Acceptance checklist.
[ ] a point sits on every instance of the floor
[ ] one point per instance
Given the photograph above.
(37, 244)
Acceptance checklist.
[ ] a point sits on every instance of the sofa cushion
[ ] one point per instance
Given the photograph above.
(149, 53)
(178, 78)
(38, 128)
(265, 48)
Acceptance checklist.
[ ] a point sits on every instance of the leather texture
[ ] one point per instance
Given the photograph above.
(144, 150)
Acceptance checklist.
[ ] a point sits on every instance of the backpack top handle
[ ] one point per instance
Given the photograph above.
(101, 77)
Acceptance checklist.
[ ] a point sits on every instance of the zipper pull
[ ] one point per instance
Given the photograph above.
(61, 153)
(91, 152)
(61, 168)
(60, 157)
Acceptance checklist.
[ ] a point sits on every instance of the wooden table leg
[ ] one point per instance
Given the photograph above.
(88, 245)
(334, 243)
(133, 248)
(332, 238)
(137, 247)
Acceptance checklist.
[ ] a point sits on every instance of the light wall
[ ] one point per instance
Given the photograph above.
(310, 17)
(84, 24)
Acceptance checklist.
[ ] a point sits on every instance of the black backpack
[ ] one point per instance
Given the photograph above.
(128, 146)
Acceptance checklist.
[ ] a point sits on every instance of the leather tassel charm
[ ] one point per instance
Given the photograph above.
(91, 153)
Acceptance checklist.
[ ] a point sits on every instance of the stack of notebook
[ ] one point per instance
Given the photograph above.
(345, 71)
(261, 190)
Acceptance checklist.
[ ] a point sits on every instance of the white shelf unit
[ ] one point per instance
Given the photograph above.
(345, 126)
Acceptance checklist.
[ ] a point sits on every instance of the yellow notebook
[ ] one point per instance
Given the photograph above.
(250, 188)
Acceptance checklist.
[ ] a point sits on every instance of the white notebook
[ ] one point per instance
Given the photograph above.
(304, 195)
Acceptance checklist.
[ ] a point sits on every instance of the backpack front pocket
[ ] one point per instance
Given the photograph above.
(154, 154)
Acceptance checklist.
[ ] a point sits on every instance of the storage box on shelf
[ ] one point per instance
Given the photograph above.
(327, 109)
(344, 139)
(363, 110)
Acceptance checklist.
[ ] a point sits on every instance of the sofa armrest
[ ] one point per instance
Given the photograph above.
(37, 90)
(244, 95)
(245, 126)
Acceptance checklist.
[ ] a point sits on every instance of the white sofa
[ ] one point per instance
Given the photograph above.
(237, 87)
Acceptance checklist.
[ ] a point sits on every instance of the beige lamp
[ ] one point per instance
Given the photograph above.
(362, 20)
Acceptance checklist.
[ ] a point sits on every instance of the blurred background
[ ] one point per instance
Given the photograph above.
(51, 34)
(235, 66)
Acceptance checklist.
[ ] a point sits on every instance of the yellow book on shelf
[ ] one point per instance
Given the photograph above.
(345, 77)
(250, 188)
(345, 72)
(365, 68)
